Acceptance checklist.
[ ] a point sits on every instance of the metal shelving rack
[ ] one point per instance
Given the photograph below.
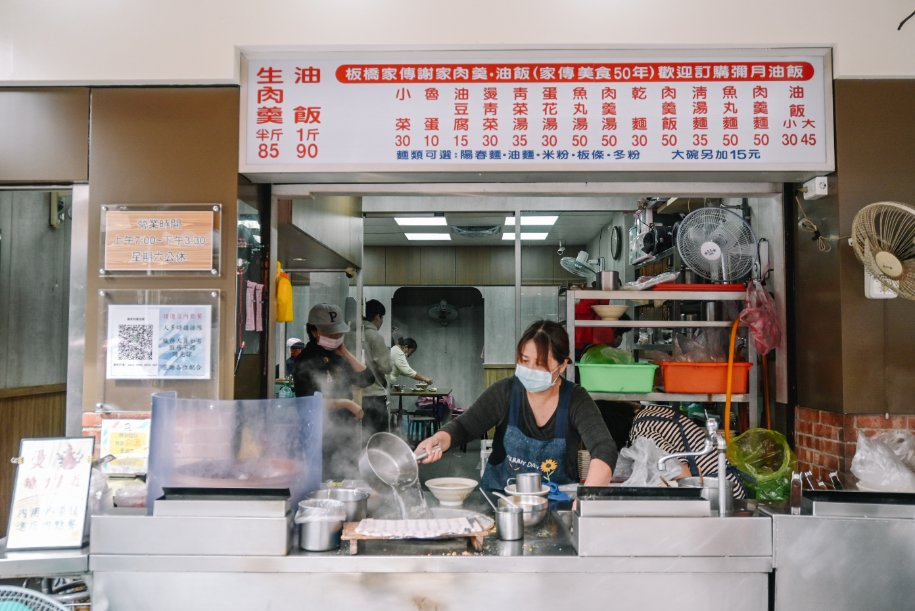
(573, 295)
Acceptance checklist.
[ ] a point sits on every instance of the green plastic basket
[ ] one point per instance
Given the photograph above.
(636, 377)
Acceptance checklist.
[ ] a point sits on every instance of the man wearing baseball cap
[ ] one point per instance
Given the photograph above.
(295, 346)
(325, 365)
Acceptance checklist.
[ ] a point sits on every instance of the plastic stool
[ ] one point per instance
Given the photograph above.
(422, 427)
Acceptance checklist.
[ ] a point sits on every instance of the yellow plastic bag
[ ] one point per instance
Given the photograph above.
(283, 295)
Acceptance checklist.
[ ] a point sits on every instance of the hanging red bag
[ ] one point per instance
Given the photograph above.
(761, 319)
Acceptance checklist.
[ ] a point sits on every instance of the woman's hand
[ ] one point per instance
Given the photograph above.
(435, 447)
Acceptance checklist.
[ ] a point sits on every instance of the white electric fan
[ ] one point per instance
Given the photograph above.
(717, 244)
(443, 312)
(883, 238)
(581, 265)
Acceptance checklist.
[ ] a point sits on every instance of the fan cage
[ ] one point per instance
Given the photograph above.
(35, 601)
(732, 235)
(887, 227)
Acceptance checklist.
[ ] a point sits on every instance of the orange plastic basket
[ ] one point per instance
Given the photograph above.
(704, 378)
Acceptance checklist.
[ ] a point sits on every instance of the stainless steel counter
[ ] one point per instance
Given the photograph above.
(42, 563)
(541, 571)
(843, 563)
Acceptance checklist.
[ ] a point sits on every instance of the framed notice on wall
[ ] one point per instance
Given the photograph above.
(537, 110)
(168, 238)
(50, 496)
(158, 342)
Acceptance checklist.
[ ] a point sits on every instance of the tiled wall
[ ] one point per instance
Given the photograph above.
(826, 441)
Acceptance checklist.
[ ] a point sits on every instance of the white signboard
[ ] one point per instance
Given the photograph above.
(158, 342)
(49, 499)
(533, 111)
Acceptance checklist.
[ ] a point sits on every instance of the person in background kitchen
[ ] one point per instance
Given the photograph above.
(378, 360)
(674, 433)
(400, 352)
(325, 365)
(295, 346)
(541, 419)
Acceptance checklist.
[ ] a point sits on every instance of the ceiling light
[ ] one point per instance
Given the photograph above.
(421, 221)
(525, 235)
(532, 220)
(428, 236)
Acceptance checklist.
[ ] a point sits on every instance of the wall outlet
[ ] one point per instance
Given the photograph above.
(815, 188)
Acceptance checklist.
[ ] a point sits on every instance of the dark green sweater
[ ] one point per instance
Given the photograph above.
(586, 426)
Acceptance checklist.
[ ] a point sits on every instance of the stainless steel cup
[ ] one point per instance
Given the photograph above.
(355, 502)
(527, 483)
(510, 523)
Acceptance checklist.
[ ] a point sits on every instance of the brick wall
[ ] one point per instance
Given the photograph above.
(826, 441)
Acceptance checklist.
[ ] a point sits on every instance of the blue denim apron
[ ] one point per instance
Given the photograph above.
(525, 454)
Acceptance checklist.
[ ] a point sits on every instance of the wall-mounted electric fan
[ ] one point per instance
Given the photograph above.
(717, 244)
(883, 238)
(582, 265)
(443, 312)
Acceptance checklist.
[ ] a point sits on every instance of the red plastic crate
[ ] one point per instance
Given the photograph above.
(704, 378)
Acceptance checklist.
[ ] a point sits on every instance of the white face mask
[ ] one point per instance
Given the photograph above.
(535, 380)
(329, 343)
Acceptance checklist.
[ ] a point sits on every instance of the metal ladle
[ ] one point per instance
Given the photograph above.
(506, 499)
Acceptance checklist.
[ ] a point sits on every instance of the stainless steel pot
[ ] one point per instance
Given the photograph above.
(355, 502)
(388, 461)
(709, 487)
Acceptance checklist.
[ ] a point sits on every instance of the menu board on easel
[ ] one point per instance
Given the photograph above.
(50, 497)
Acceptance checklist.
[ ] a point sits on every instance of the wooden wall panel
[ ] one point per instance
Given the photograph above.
(373, 265)
(163, 145)
(26, 412)
(472, 266)
(402, 266)
(437, 266)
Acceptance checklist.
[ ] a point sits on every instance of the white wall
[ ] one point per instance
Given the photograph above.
(176, 41)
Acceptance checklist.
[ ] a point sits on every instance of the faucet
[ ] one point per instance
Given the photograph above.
(713, 441)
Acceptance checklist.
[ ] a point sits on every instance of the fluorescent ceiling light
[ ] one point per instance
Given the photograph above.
(545, 221)
(421, 221)
(525, 235)
(428, 236)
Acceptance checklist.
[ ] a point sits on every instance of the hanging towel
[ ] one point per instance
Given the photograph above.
(283, 296)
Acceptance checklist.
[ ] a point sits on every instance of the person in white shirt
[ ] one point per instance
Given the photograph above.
(400, 352)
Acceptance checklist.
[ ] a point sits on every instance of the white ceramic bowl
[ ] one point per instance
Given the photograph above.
(610, 312)
(451, 491)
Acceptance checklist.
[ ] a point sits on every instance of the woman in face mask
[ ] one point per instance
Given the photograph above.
(325, 365)
(541, 419)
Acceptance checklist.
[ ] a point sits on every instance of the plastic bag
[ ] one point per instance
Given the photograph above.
(603, 354)
(320, 510)
(760, 317)
(765, 461)
(641, 458)
(877, 465)
(703, 346)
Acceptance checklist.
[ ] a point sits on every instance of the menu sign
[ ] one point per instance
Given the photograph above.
(158, 342)
(49, 499)
(506, 111)
(143, 240)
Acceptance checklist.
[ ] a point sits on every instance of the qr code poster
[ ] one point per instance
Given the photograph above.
(158, 342)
